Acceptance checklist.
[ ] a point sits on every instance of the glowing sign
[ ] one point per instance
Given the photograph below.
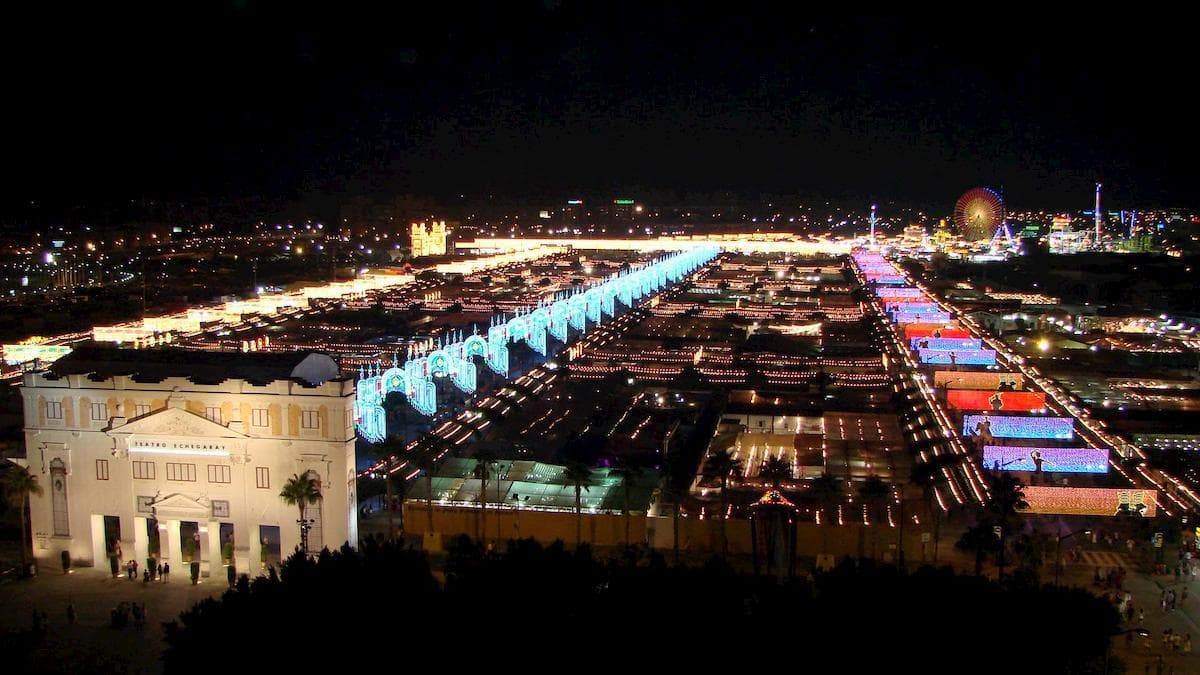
(977, 399)
(911, 306)
(1058, 428)
(989, 381)
(623, 202)
(973, 357)
(913, 330)
(946, 344)
(574, 202)
(899, 292)
(1080, 501)
(1056, 460)
(925, 317)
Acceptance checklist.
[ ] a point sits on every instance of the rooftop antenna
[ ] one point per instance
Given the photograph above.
(1098, 217)
(1002, 231)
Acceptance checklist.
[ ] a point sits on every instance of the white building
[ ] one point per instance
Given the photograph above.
(187, 452)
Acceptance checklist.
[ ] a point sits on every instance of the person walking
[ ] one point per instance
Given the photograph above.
(166, 572)
(1184, 594)
(160, 571)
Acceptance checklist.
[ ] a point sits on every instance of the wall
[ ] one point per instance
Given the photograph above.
(695, 536)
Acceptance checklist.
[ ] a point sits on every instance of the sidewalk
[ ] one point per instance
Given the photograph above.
(1146, 590)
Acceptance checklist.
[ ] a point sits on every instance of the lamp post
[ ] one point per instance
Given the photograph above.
(305, 525)
(1058, 551)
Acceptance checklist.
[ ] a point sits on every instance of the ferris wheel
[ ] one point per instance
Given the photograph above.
(979, 214)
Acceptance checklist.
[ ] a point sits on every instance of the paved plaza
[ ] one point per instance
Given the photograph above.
(91, 644)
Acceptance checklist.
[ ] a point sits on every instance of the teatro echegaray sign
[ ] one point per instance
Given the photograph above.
(183, 445)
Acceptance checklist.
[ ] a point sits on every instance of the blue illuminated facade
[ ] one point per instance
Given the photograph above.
(976, 357)
(947, 344)
(1057, 428)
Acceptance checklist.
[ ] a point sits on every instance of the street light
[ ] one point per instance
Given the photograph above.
(1058, 551)
(305, 525)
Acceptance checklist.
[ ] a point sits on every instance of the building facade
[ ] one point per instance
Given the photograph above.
(181, 456)
(429, 239)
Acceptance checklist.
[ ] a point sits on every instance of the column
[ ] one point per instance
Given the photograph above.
(216, 567)
(174, 555)
(253, 563)
(99, 554)
(141, 541)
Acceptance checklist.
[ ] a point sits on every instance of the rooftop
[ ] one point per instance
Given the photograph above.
(99, 362)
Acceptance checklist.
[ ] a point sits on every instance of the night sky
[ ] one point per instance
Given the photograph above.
(549, 99)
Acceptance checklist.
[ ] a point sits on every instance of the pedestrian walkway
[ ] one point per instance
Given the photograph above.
(1105, 560)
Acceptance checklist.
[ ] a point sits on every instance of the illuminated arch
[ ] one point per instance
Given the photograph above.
(518, 329)
(438, 362)
(475, 346)
(394, 379)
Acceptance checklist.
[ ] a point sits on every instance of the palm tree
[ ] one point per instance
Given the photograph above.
(926, 475)
(720, 465)
(675, 488)
(301, 491)
(431, 448)
(483, 471)
(874, 493)
(581, 477)
(979, 539)
(827, 493)
(775, 470)
(1006, 499)
(427, 462)
(628, 469)
(388, 451)
(18, 485)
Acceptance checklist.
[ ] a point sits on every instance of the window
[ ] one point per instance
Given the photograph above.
(102, 469)
(213, 413)
(141, 409)
(220, 508)
(259, 417)
(219, 473)
(176, 471)
(262, 477)
(143, 470)
(58, 487)
(54, 410)
(310, 419)
(145, 504)
(99, 412)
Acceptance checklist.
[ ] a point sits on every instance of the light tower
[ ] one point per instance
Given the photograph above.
(1098, 220)
(873, 220)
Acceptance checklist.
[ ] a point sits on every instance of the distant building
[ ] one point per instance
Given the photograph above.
(429, 239)
(166, 453)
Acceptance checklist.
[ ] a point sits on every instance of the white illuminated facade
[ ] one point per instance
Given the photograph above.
(156, 459)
